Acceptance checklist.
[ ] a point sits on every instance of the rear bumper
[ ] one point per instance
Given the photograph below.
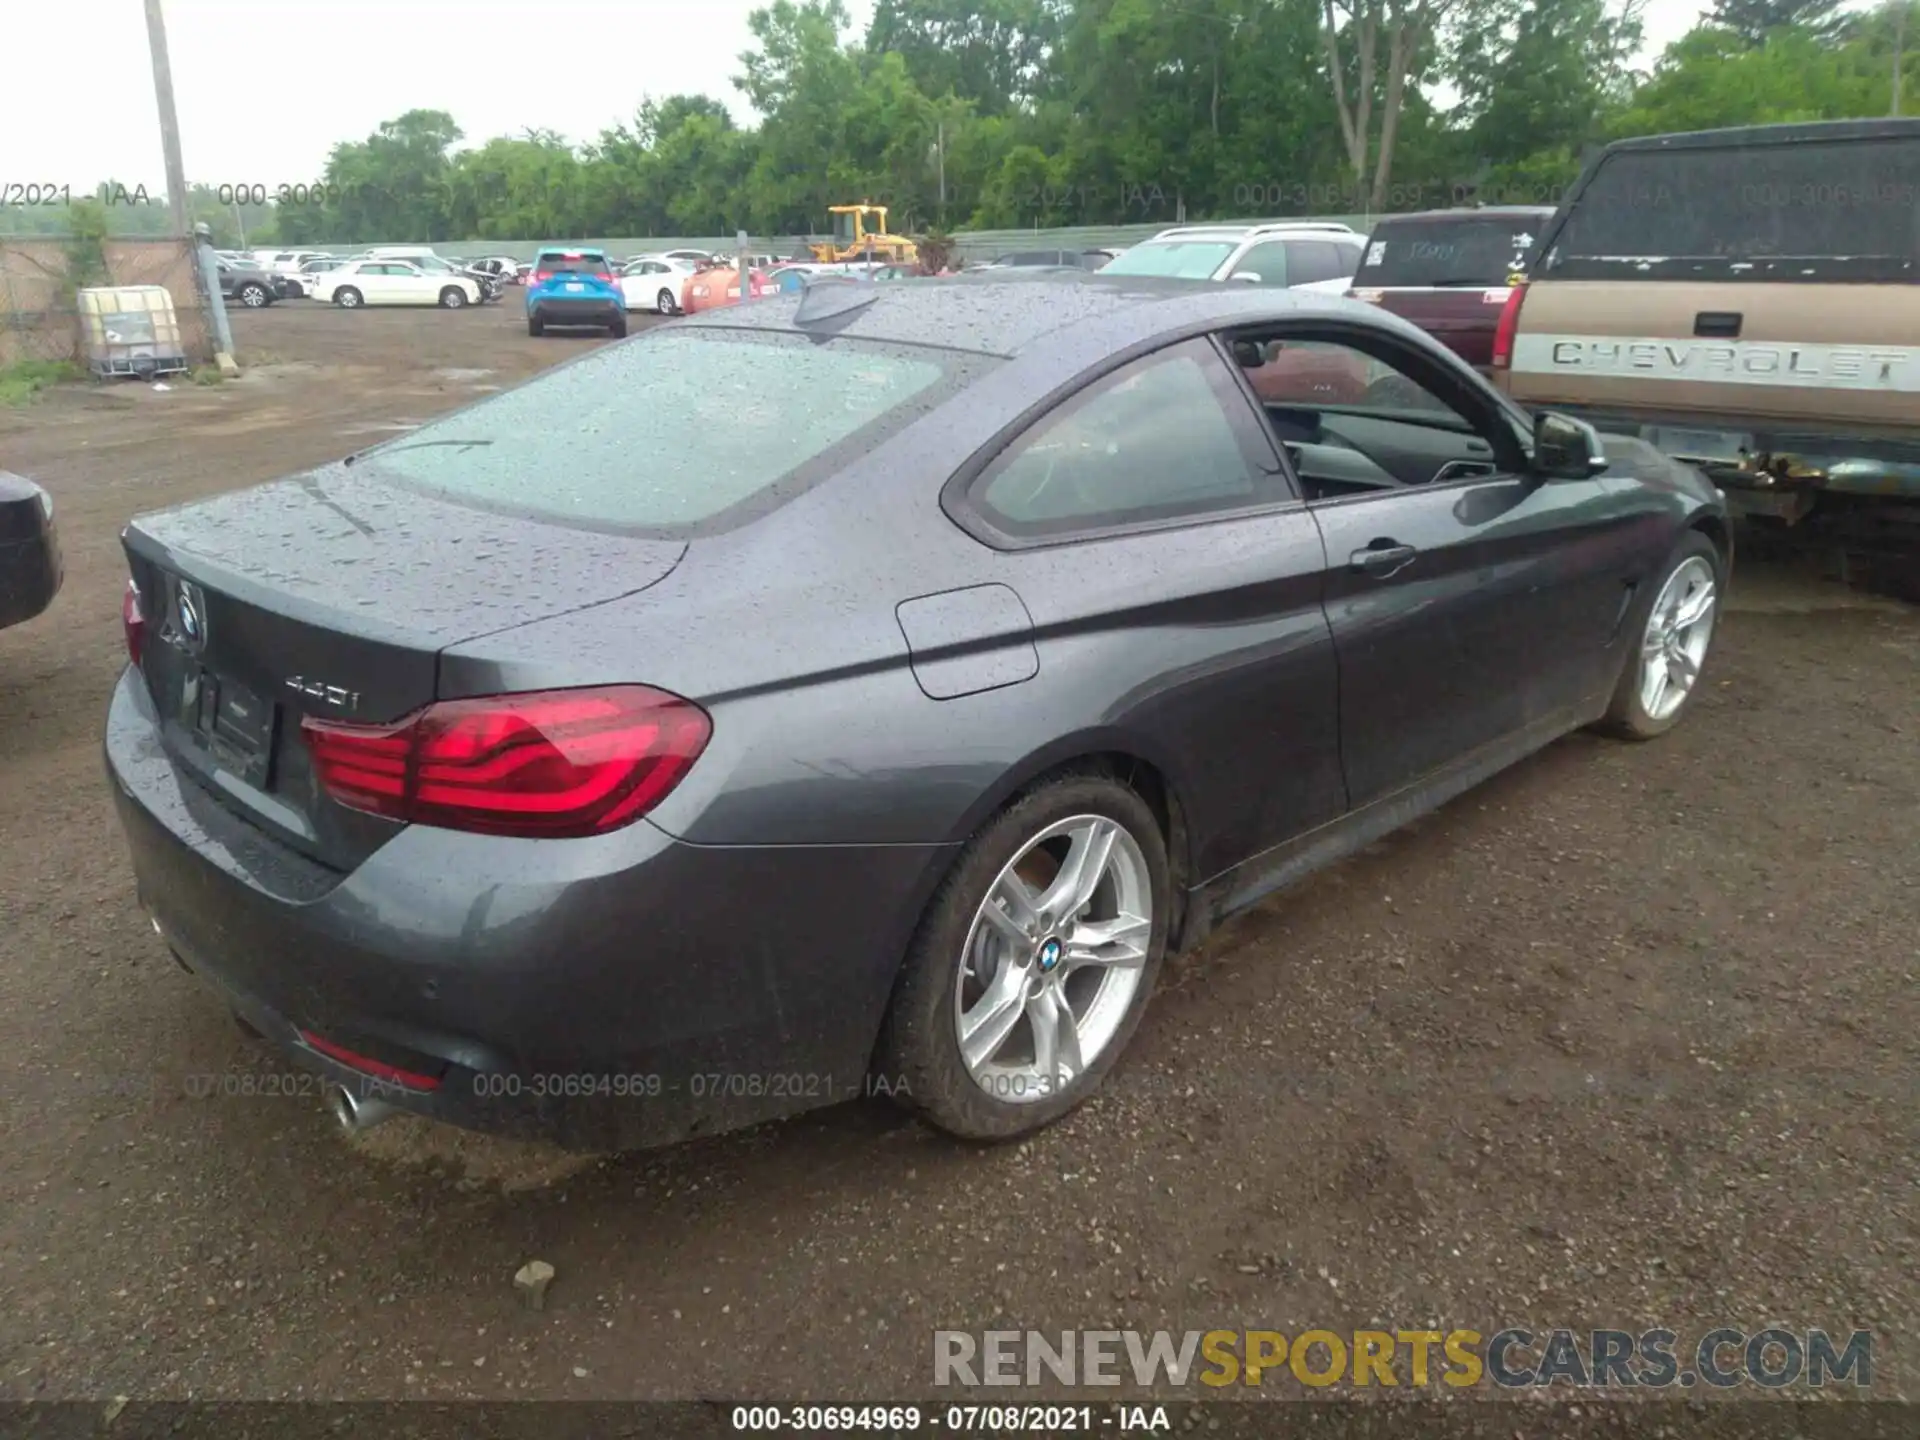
(611, 993)
(577, 310)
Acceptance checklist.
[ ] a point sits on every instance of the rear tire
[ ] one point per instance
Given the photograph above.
(453, 298)
(347, 298)
(1670, 638)
(618, 329)
(536, 326)
(920, 1056)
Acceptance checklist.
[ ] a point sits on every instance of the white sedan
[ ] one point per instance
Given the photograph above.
(394, 282)
(654, 282)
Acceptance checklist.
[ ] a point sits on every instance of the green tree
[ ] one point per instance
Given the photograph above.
(1390, 44)
(1542, 77)
(394, 183)
(993, 53)
(1713, 78)
(1754, 20)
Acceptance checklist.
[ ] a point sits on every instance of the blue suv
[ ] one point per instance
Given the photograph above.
(575, 288)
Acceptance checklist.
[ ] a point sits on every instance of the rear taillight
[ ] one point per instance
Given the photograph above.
(540, 277)
(1507, 328)
(553, 764)
(606, 279)
(133, 621)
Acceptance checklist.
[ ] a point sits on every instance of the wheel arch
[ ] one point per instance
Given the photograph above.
(1108, 753)
(1141, 767)
(1717, 530)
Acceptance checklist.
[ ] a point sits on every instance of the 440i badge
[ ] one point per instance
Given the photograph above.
(334, 695)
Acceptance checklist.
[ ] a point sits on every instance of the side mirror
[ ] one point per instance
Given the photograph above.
(1565, 448)
(1245, 277)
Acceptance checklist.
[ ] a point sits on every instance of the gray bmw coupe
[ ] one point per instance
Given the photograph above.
(862, 689)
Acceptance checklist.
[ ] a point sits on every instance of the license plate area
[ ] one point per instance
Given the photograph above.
(1728, 445)
(235, 725)
(576, 287)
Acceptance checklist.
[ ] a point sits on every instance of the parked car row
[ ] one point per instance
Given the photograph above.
(398, 275)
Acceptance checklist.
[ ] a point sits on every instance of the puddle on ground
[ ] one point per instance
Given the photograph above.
(461, 376)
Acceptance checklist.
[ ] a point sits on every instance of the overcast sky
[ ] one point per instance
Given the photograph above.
(265, 88)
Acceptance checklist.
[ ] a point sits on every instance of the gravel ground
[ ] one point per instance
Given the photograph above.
(1625, 1038)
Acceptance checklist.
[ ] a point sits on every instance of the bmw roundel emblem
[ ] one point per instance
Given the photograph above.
(1049, 954)
(192, 624)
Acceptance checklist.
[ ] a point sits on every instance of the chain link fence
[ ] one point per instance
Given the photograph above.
(40, 277)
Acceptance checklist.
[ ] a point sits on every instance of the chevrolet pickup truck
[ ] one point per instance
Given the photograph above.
(1747, 300)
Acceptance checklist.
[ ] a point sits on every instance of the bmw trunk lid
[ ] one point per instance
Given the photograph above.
(333, 595)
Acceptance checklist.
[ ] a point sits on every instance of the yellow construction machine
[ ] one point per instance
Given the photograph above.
(855, 239)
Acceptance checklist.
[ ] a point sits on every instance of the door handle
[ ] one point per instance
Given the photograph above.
(1717, 324)
(1382, 558)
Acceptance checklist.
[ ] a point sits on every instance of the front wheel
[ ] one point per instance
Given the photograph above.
(252, 296)
(347, 298)
(452, 298)
(1670, 644)
(1033, 963)
(663, 302)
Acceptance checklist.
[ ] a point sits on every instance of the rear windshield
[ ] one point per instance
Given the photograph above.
(1472, 253)
(1811, 211)
(1183, 259)
(573, 264)
(670, 430)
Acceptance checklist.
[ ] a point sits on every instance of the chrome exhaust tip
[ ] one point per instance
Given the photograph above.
(355, 1114)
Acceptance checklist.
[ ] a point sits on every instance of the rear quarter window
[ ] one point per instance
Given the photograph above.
(675, 432)
(1465, 252)
(1820, 211)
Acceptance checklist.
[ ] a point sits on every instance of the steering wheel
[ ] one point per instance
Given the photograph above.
(1396, 392)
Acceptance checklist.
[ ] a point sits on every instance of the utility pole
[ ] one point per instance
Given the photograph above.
(169, 122)
(1899, 47)
(201, 245)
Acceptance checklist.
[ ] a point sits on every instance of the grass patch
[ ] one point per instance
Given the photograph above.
(208, 375)
(20, 383)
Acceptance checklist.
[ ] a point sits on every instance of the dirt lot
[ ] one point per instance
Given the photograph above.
(1627, 1037)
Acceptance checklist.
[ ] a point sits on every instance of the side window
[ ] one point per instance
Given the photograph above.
(1155, 441)
(1324, 372)
(1309, 261)
(1268, 261)
(1354, 424)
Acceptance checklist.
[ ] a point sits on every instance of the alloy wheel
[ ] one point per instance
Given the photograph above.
(1679, 630)
(1053, 958)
